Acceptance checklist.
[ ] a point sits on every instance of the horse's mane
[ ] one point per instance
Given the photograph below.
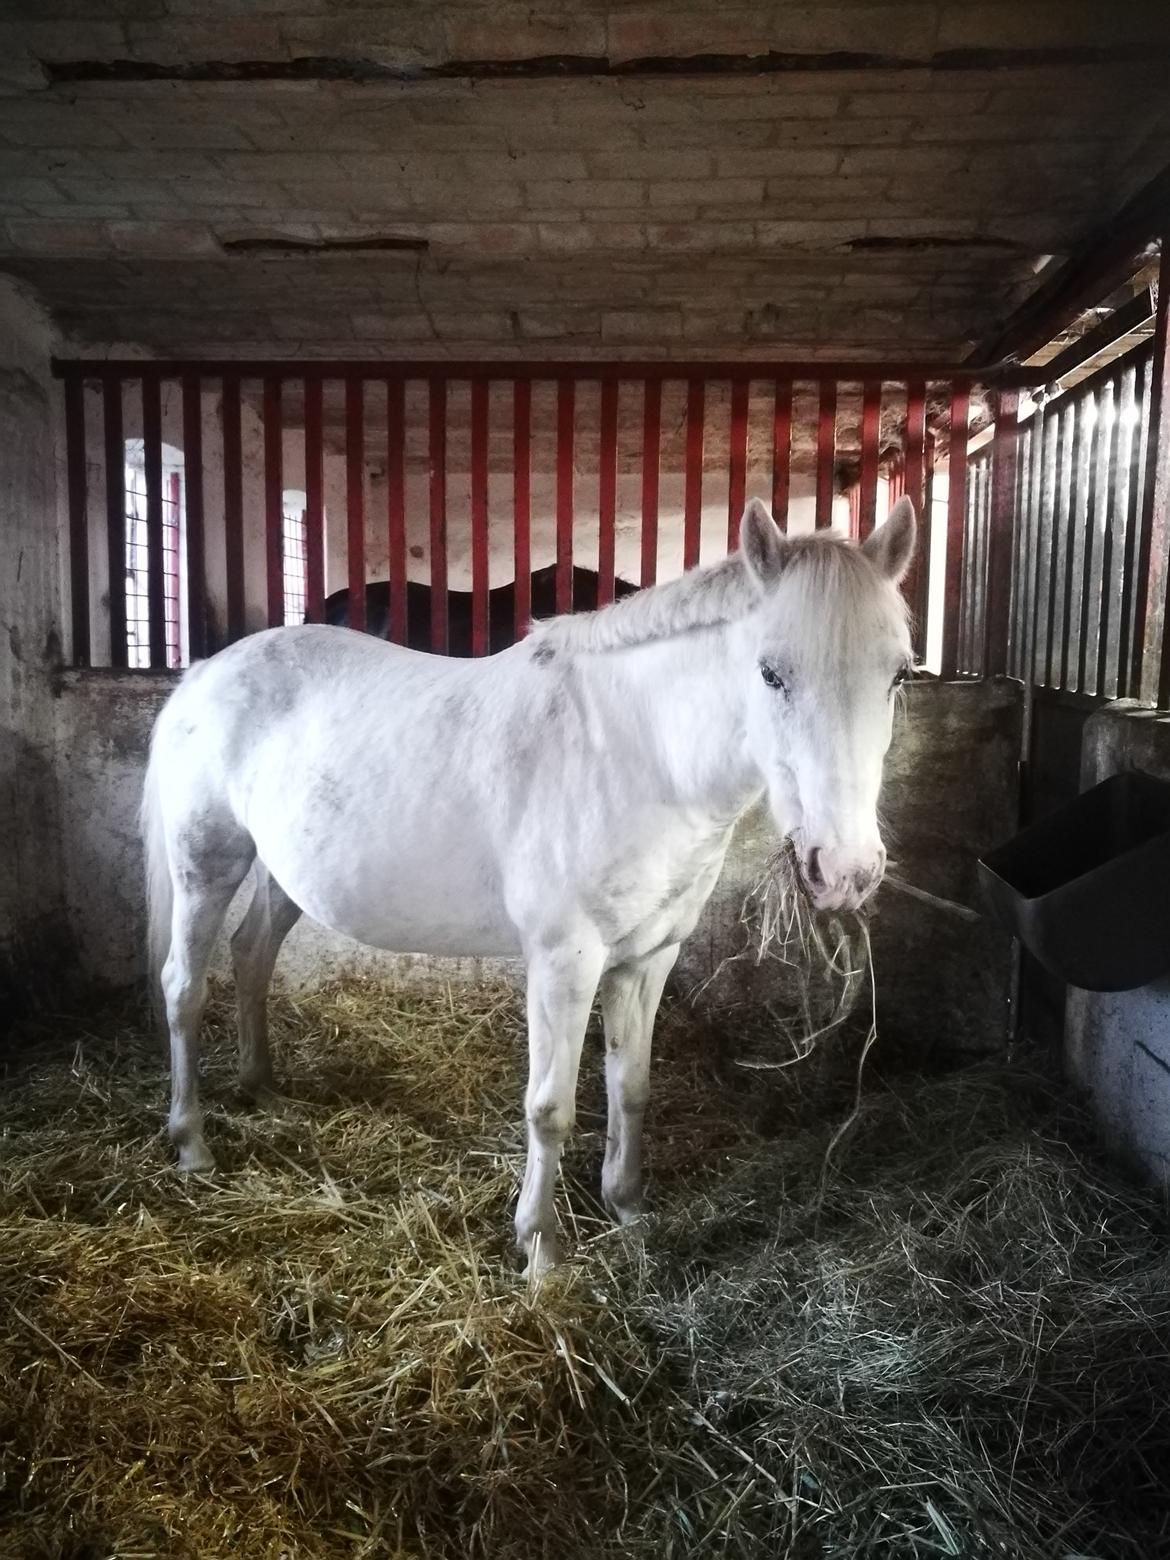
(706, 597)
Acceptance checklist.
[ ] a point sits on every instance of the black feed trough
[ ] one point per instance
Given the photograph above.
(1087, 889)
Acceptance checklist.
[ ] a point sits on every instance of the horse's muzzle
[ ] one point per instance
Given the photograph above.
(840, 880)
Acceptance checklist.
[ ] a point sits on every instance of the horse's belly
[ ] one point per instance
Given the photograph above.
(402, 890)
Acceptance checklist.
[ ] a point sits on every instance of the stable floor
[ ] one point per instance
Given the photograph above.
(950, 1337)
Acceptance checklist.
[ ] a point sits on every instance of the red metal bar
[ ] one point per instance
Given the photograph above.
(607, 492)
(1001, 517)
(480, 605)
(956, 503)
(314, 506)
(737, 461)
(193, 503)
(871, 417)
(438, 483)
(78, 518)
(781, 450)
(115, 461)
(233, 505)
(651, 438)
(826, 452)
(398, 627)
(172, 613)
(152, 458)
(566, 415)
(693, 482)
(355, 494)
(274, 502)
(522, 502)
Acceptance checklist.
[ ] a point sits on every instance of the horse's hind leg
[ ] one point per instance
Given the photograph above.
(255, 945)
(203, 890)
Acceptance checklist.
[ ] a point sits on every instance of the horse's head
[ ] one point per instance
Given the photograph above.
(826, 648)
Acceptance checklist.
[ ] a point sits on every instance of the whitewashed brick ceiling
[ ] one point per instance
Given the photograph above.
(303, 176)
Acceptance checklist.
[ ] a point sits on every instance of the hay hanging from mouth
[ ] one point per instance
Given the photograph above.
(826, 959)
(327, 1352)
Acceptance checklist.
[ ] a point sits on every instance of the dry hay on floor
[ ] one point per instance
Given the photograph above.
(961, 1348)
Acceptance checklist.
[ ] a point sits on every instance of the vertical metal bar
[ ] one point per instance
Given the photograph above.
(1058, 482)
(962, 649)
(956, 500)
(693, 485)
(152, 457)
(274, 501)
(781, 450)
(651, 434)
(737, 461)
(1000, 518)
(398, 627)
(522, 502)
(1158, 464)
(1132, 413)
(115, 461)
(1142, 572)
(355, 507)
(1041, 504)
(1091, 507)
(607, 492)
(1049, 492)
(1077, 510)
(314, 504)
(437, 454)
(913, 485)
(78, 519)
(233, 505)
(1113, 503)
(871, 416)
(566, 418)
(480, 606)
(193, 502)
(826, 453)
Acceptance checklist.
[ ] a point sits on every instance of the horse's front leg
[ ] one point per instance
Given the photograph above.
(562, 982)
(630, 995)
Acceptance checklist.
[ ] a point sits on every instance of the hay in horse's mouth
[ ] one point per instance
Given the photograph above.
(327, 1351)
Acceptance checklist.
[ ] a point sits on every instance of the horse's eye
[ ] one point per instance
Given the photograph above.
(900, 676)
(772, 677)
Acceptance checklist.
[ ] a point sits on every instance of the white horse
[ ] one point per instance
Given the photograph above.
(569, 800)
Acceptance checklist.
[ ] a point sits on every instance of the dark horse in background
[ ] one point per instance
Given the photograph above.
(501, 609)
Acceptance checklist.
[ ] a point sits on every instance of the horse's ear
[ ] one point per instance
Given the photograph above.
(891, 546)
(762, 543)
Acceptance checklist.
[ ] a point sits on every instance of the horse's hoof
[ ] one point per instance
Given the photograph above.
(626, 1214)
(196, 1159)
(542, 1257)
(265, 1097)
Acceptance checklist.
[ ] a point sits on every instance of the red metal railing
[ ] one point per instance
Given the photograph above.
(619, 448)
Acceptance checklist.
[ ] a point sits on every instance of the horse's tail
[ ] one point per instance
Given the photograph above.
(160, 891)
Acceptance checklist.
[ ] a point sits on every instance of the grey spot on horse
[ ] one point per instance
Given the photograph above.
(542, 652)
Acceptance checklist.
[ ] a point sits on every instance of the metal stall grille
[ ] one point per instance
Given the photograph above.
(459, 476)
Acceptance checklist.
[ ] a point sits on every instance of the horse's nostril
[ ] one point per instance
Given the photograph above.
(812, 868)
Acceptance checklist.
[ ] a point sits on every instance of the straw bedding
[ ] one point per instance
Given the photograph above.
(954, 1342)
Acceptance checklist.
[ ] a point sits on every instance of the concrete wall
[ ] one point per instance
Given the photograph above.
(950, 795)
(30, 638)
(1118, 1043)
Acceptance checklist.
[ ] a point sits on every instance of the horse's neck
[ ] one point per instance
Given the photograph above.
(682, 701)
